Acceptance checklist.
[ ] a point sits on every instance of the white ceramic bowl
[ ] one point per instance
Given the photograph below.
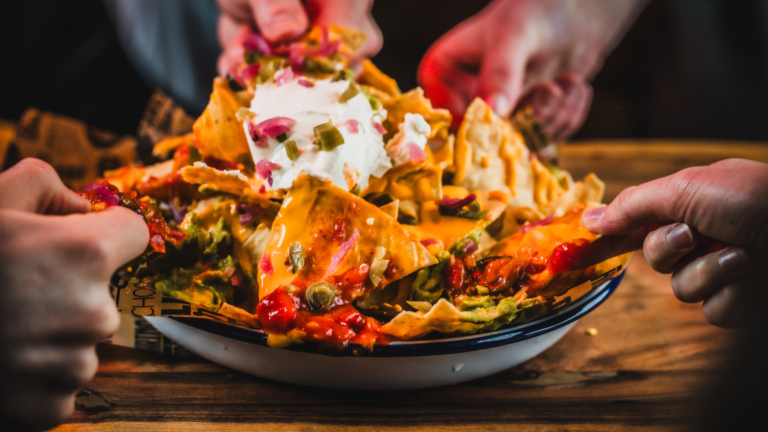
(399, 365)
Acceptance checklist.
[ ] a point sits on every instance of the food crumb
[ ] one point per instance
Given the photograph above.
(591, 331)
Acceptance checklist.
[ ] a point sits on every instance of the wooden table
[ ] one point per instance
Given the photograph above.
(651, 357)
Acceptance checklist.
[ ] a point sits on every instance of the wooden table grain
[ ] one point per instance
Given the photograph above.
(649, 361)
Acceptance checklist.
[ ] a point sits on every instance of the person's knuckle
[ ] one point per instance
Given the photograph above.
(101, 315)
(36, 166)
(97, 252)
(83, 367)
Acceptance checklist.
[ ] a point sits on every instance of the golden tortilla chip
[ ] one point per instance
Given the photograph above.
(231, 182)
(537, 244)
(374, 78)
(421, 182)
(491, 156)
(168, 145)
(414, 102)
(335, 231)
(218, 131)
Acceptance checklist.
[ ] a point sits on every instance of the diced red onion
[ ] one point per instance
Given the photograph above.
(178, 212)
(344, 249)
(264, 168)
(250, 71)
(247, 212)
(327, 48)
(283, 76)
(352, 125)
(229, 271)
(456, 203)
(268, 127)
(416, 153)
(305, 83)
(245, 219)
(236, 280)
(105, 195)
(470, 247)
(265, 265)
(256, 42)
(262, 189)
(546, 221)
(379, 128)
(428, 242)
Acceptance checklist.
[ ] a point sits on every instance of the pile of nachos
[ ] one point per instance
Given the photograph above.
(319, 206)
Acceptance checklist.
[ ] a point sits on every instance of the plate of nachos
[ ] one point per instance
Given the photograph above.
(327, 229)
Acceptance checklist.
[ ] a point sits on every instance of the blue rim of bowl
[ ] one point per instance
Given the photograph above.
(480, 341)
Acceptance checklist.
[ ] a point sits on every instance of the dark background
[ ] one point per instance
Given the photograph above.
(686, 69)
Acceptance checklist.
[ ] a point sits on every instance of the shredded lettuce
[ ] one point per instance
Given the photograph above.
(428, 285)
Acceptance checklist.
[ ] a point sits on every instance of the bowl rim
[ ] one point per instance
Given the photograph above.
(420, 348)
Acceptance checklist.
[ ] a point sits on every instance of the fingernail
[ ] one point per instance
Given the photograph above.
(593, 216)
(680, 237)
(733, 260)
(500, 104)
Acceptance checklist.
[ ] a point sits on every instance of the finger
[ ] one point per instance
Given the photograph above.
(726, 307)
(695, 281)
(502, 74)
(664, 247)
(33, 186)
(354, 14)
(634, 207)
(544, 99)
(233, 51)
(578, 97)
(104, 240)
(445, 83)
(280, 20)
(607, 247)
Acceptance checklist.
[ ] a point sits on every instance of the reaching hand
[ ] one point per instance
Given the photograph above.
(56, 260)
(285, 20)
(537, 53)
(706, 225)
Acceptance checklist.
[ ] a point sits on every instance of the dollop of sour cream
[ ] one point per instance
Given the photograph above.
(411, 140)
(362, 155)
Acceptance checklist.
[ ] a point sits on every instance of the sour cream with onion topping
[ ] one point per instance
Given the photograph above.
(362, 155)
(409, 143)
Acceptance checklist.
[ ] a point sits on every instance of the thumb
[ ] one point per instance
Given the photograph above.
(33, 186)
(502, 75)
(280, 20)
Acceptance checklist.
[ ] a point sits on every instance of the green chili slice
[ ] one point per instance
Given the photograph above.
(327, 136)
(292, 150)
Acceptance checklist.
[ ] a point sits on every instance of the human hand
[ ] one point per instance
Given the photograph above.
(677, 219)
(285, 20)
(56, 260)
(517, 53)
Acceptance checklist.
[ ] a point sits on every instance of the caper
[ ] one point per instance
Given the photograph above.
(296, 257)
(320, 295)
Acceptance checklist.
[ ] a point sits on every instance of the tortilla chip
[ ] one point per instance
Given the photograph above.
(414, 102)
(231, 182)
(421, 182)
(444, 317)
(168, 145)
(374, 78)
(313, 214)
(217, 131)
(541, 241)
(491, 156)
